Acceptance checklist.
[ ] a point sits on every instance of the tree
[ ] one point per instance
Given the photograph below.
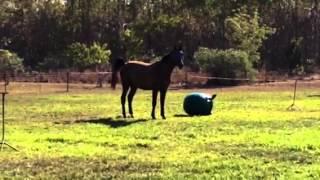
(41, 30)
(246, 33)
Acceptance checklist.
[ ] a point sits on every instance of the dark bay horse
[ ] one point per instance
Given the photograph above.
(155, 77)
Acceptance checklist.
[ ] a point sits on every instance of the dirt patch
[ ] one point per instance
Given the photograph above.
(288, 85)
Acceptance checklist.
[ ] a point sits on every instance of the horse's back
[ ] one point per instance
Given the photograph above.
(138, 67)
(139, 74)
(138, 63)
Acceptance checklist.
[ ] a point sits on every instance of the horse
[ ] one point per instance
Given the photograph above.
(147, 76)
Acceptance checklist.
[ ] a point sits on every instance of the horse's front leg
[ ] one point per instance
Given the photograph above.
(123, 100)
(162, 101)
(154, 103)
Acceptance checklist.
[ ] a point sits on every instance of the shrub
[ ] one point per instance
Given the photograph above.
(82, 56)
(10, 62)
(228, 63)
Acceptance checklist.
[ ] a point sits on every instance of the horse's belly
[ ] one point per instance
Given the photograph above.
(153, 86)
(146, 85)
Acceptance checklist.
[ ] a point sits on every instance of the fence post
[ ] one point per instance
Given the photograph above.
(39, 81)
(295, 92)
(3, 126)
(99, 80)
(293, 105)
(6, 81)
(68, 80)
(186, 78)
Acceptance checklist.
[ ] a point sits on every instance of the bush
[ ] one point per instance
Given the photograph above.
(225, 63)
(82, 56)
(10, 62)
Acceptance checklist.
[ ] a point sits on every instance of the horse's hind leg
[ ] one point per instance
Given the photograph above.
(130, 98)
(154, 103)
(125, 89)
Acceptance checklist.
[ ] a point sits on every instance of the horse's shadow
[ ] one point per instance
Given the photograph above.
(113, 123)
(314, 96)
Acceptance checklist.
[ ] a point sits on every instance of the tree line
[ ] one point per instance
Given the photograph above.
(277, 34)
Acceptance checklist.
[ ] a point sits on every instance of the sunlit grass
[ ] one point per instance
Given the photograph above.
(251, 134)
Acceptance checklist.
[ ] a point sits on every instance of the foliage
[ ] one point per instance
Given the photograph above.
(228, 63)
(250, 135)
(294, 56)
(82, 56)
(55, 62)
(163, 29)
(38, 30)
(10, 62)
(246, 33)
(132, 43)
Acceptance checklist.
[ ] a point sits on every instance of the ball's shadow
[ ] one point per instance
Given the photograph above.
(186, 115)
(181, 115)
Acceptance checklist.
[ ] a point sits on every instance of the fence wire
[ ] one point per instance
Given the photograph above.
(76, 81)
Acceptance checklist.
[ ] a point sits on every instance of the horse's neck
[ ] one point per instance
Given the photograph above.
(166, 69)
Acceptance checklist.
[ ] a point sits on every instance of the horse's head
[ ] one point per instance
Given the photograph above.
(176, 56)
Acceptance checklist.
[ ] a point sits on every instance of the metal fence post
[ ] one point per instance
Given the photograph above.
(6, 81)
(293, 105)
(68, 79)
(3, 126)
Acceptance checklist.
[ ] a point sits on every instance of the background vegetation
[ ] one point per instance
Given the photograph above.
(10, 62)
(225, 63)
(277, 35)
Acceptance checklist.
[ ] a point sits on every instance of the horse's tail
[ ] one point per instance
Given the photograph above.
(116, 65)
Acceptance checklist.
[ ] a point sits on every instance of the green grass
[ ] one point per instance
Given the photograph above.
(251, 135)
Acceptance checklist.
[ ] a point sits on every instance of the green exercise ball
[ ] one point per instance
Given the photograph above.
(198, 103)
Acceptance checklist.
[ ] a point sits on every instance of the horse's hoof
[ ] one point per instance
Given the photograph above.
(163, 117)
(153, 118)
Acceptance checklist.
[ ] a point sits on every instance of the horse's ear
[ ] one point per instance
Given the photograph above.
(213, 96)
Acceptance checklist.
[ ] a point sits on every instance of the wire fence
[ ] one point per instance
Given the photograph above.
(35, 82)
(62, 81)
(54, 82)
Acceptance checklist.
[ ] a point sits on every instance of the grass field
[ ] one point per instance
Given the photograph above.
(251, 135)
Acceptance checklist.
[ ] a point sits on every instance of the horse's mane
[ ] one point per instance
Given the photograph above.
(165, 59)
